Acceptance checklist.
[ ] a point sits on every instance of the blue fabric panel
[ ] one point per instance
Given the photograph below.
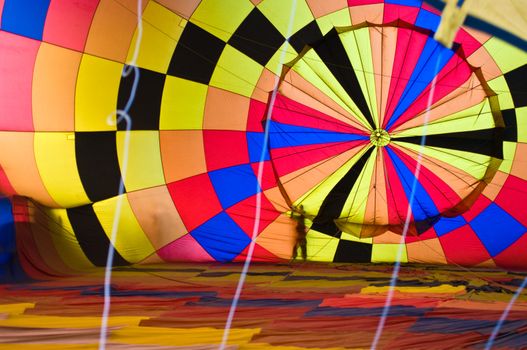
(423, 206)
(433, 59)
(25, 17)
(446, 225)
(222, 302)
(486, 226)
(219, 246)
(414, 3)
(7, 232)
(234, 184)
(255, 143)
(453, 325)
(283, 135)
(395, 310)
(428, 20)
(10, 268)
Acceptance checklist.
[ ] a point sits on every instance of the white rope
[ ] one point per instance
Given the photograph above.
(120, 115)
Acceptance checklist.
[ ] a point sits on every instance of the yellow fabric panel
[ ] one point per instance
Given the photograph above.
(221, 17)
(506, 56)
(469, 123)
(510, 15)
(499, 85)
(388, 253)
(321, 247)
(279, 12)
(274, 64)
(358, 47)
(66, 242)
(521, 120)
(355, 207)
(353, 237)
(236, 72)
(312, 68)
(180, 336)
(53, 93)
(144, 159)
(55, 157)
(131, 242)
(96, 94)
(339, 18)
(161, 31)
(182, 104)
(509, 150)
(472, 163)
(15, 309)
(442, 289)
(467, 119)
(42, 321)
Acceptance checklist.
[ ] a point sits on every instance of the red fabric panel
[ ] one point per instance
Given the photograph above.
(409, 47)
(287, 160)
(195, 200)
(243, 213)
(68, 23)
(288, 111)
(400, 12)
(515, 256)
(463, 247)
(225, 148)
(257, 111)
(513, 198)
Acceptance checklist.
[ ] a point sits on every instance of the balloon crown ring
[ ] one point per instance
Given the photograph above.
(380, 137)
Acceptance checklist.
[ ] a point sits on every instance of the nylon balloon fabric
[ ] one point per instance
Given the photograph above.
(344, 133)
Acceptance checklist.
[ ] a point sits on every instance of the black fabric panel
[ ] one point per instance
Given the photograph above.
(511, 125)
(333, 204)
(352, 252)
(488, 141)
(146, 106)
(517, 82)
(334, 56)
(98, 164)
(257, 37)
(196, 54)
(328, 227)
(309, 35)
(91, 236)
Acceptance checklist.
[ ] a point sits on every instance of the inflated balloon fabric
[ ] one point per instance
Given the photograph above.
(348, 108)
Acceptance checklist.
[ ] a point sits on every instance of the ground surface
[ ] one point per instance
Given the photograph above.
(282, 307)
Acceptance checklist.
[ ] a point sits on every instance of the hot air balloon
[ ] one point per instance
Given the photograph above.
(136, 135)
(239, 109)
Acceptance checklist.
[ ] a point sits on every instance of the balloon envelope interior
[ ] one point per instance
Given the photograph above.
(222, 117)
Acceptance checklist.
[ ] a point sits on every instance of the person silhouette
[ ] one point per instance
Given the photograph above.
(301, 232)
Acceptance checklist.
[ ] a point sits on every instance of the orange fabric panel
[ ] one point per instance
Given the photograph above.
(19, 164)
(372, 13)
(183, 8)
(225, 110)
(157, 215)
(54, 80)
(427, 251)
(112, 29)
(321, 8)
(182, 154)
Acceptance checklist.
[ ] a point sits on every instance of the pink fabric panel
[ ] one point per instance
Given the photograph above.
(16, 63)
